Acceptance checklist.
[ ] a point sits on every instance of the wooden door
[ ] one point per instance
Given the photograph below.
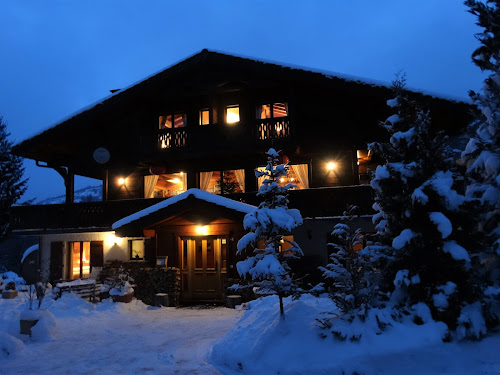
(203, 264)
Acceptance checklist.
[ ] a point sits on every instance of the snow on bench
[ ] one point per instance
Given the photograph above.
(86, 288)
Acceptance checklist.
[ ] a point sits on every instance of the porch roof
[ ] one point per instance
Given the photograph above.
(171, 206)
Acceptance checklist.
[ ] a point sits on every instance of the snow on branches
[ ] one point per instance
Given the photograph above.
(267, 267)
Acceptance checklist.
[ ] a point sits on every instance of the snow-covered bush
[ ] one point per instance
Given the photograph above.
(421, 217)
(267, 265)
(353, 270)
(482, 155)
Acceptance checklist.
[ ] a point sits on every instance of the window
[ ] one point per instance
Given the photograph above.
(164, 185)
(172, 121)
(136, 249)
(232, 114)
(298, 174)
(223, 182)
(273, 110)
(79, 256)
(204, 116)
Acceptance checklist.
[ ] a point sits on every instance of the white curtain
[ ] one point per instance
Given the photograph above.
(184, 181)
(302, 173)
(240, 177)
(205, 180)
(149, 186)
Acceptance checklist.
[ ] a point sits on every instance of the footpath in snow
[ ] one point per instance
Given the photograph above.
(114, 338)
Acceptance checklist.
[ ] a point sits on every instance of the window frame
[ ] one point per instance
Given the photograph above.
(172, 114)
(230, 106)
(130, 249)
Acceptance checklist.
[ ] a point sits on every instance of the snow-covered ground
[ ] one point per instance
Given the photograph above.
(114, 338)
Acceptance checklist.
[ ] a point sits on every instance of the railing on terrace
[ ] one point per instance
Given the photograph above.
(75, 216)
(318, 202)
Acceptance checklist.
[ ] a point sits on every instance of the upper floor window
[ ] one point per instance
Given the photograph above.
(172, 121)
(232, 114)
(272, 110)
(204, 116)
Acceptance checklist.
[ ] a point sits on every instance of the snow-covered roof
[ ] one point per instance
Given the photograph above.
(291, 67)
(28, 251)
(198, 194)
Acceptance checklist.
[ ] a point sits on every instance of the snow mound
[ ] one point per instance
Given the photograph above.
(9, 345)
(45, 328)
(262, 343)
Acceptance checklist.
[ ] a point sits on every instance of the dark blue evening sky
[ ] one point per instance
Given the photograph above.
(62, 55)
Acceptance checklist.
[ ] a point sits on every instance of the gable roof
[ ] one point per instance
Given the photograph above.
(170, 206)
(208, 60)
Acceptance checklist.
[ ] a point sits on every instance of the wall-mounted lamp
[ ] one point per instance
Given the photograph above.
(202, 230)
(121, 181)
(330, 166)
(112, 239)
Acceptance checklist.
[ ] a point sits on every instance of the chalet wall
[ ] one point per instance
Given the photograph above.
(112, 250)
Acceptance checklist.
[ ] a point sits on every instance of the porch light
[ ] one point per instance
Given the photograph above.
(174, 180)
(330, 166)
(202, 230)
(112, 239)
(121, 181)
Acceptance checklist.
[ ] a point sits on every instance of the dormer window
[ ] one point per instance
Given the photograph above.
(232, 114)
(177, 120)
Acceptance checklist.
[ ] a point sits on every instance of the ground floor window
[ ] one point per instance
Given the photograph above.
(165, 185)
(136, 248)
(223, 182)
(79, 253)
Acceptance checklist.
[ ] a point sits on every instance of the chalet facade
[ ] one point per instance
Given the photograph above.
(166, 146)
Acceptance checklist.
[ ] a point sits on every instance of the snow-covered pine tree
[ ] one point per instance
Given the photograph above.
(12, 185)
(353, 268)
(267, 266)
(482, 153)
(419, 215)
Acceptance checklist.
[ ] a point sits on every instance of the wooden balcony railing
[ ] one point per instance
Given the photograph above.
(319, 202)
(172, 138)
(75, 216)
(273, 128)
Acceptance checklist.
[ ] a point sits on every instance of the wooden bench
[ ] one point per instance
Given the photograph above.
(85, 290)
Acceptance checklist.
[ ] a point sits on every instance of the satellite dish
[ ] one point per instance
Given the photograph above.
(101, 155)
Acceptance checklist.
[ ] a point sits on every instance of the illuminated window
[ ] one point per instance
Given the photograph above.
(172, 121)
(79, 260)
(298, 174)
(165, 185)
(273, 110)
(204, 117)
(223, 182)
(232, 114)
(136, 248)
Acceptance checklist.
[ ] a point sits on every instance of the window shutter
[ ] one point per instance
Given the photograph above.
(96, 254)
(56, 261)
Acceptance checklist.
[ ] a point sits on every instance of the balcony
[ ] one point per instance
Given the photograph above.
(318, 202)
(206, 138)
(73, 217)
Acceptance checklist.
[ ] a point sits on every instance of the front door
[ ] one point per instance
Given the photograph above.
(203, 262)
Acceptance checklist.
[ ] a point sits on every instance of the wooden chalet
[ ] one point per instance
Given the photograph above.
(202, 126)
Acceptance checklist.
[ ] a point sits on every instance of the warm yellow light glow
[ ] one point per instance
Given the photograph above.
(182, 173)
(174, 180)
(282, 179)
(331, 166)
(232, 115)
(121, 181)
(112, 239)
(202, 229)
